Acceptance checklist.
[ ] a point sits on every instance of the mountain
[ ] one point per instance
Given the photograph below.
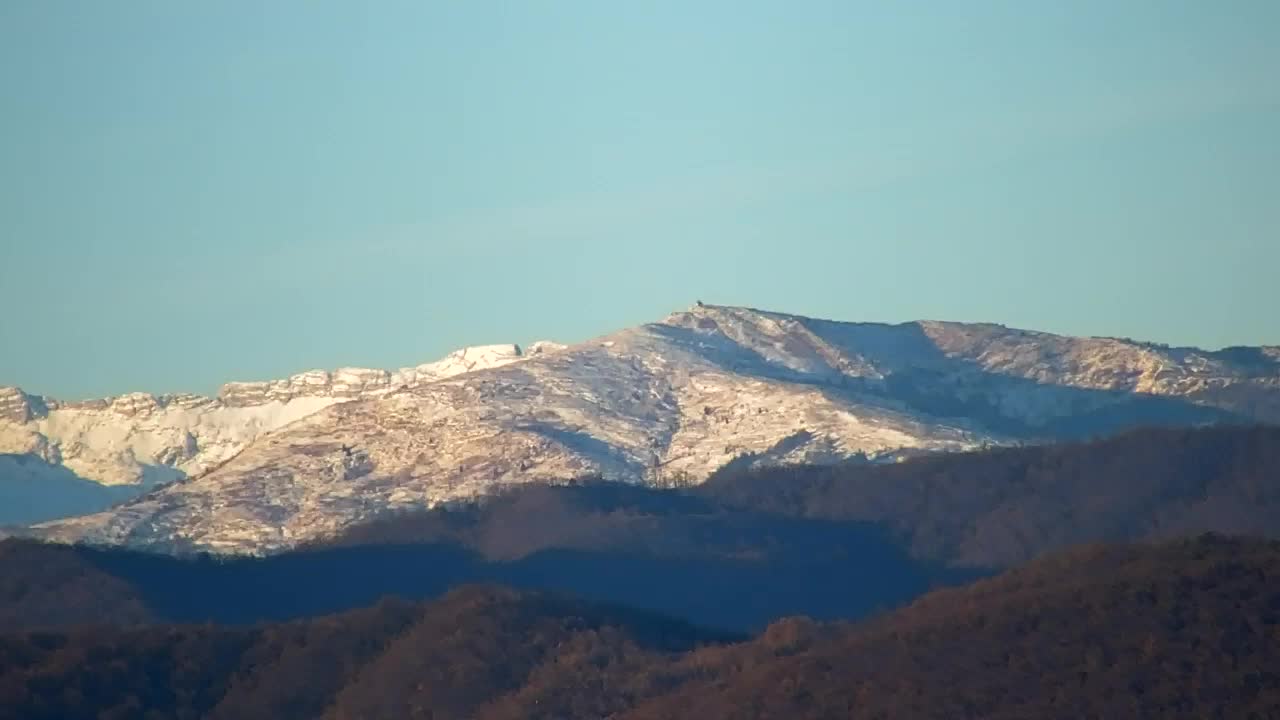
(1181, 629)
(62, 458)
(671, 402)
(736, 552)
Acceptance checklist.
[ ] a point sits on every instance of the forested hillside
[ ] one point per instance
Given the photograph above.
(1189, 628)
(1004, 506)
(1185, 629)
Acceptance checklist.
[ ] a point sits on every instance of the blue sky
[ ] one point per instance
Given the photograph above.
(191, 193)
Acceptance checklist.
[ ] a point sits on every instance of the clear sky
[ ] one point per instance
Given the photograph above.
(198, 192)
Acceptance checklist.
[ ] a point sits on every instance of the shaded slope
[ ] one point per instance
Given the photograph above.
(777, 567)
(1005, 506)
(33, 490)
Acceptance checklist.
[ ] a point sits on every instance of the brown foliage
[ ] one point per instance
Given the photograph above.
(477, 652)
(1189, 628)
(54, 586)
(1186, 629)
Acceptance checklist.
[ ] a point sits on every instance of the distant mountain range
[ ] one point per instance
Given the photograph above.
(266, 466)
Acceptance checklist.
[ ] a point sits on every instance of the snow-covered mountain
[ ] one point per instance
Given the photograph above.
(662, 403)
(55, 454)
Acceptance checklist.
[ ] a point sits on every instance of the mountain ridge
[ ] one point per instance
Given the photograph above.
(671, 402)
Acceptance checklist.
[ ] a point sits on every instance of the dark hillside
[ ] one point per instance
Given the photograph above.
(449, 659)
(1186, 629)
(1181, 630)
(1002, 507)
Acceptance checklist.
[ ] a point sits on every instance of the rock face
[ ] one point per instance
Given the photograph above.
(663, 403)
(19, 407)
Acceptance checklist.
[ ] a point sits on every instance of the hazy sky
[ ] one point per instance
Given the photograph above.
(197, 192)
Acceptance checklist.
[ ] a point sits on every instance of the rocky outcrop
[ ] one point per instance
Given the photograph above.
(17, 406)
